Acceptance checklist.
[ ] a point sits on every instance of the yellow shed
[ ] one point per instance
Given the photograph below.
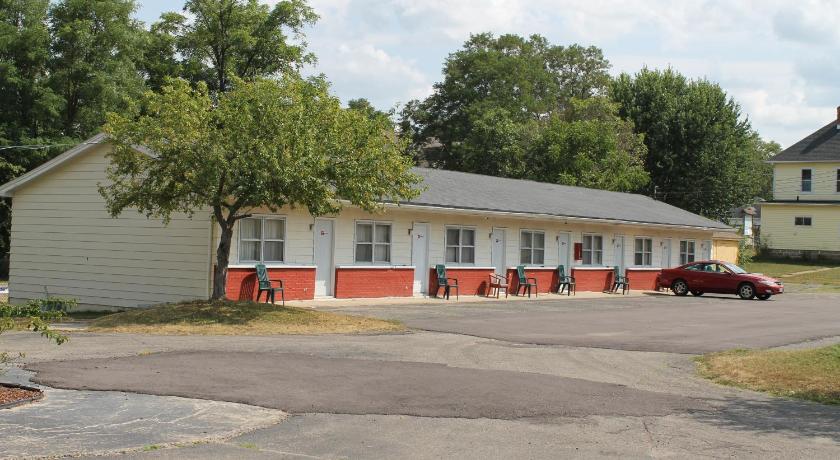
(725, 246)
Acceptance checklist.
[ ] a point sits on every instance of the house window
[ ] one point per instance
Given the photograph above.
(262, 239)
(460, 245)
(644, 252)
(802, 221)
(373, 242)
(686, 251)
(837, 184)
(531, 247)
(593, 250)
(806, 180)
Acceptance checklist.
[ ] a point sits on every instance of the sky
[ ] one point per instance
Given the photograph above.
(780, 60)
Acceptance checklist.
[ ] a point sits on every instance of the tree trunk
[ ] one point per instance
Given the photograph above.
(222, 259)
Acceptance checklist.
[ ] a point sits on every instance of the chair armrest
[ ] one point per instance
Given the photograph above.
(452, 279)
(529, 279)
(277, 281)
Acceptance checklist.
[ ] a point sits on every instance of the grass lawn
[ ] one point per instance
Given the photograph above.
(812, 374)
(236, 318)
(780, 268)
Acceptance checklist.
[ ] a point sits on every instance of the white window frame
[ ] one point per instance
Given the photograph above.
(460, 246)
(531, 249)
(373, 244)
(592, 251)
(262, 240)
(810, 181)
(684, 254)
(647, 256)
(803, 224)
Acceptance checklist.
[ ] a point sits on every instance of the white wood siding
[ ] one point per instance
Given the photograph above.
(299, 237)
(64, 243)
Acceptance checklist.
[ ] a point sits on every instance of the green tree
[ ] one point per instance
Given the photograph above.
(264, 144)
(365, 107)
(702, 153)
(29, 109)
(226, 39)
(590, 146)
(512, 78)
(95, 45)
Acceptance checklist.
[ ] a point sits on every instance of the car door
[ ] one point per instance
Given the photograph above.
(729, 281)
(695, 276)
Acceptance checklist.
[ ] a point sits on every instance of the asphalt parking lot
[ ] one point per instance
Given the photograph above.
(545, 378)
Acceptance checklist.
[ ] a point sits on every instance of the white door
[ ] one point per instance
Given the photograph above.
(666, 253)
(497, 251)
(420, 257)
(563, 243)
(619, 252)
(324, 269)
(706, 250)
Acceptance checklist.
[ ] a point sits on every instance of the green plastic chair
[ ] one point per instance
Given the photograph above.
(526, 283)
(446, 283)
(565, 281)
(620, 281)
(264, 285)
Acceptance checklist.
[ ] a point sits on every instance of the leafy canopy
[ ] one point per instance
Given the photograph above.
(225, 39)
(703, 155)
(268, 143)
(521, 107)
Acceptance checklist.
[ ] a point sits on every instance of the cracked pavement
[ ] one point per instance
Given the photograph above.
(470, 394)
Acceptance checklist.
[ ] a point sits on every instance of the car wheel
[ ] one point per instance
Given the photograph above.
(696, 293)
(746, 291)
(680, 287)
(763, 296)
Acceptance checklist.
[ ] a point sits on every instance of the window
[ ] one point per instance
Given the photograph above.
(262, 239)
(373, 242)
(460, 245)
(593, 250)
(686, 251)
(802, 221)
(806, 180)
(837, 185)
(531, 247)
(644, 252)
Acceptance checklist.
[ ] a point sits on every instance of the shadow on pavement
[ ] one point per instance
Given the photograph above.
(777, 416)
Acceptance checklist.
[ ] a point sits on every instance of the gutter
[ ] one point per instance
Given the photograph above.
(597, 220)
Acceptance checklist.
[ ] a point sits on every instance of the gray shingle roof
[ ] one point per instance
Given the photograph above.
(452, 189)
(823, 144)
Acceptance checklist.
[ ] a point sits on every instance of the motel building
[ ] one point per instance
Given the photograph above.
(64, 243)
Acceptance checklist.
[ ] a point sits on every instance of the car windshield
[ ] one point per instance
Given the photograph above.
(735, 269)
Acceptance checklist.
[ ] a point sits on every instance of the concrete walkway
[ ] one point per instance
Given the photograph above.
(73, 423)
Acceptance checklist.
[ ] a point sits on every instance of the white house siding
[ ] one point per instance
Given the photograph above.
(299, 238)
(64, 243)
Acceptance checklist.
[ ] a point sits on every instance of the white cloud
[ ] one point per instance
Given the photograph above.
(778, 58)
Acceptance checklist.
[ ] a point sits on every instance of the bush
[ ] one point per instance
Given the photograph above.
(746, 253)
(37, 313)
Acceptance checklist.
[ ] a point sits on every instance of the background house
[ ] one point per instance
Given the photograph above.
(64, 242)
(803, 219)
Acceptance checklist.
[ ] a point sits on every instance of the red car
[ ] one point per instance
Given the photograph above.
(715, 276)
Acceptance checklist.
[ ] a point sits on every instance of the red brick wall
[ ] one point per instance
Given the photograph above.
(593, 280)
(373, 282)
(472, 281)
(298, 283)
(643, 279)
(546, 279)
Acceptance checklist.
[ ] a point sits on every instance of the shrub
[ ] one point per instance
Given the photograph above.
(746, 252)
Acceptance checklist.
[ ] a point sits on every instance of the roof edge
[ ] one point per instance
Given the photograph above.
(724, 228)
(7, 189)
